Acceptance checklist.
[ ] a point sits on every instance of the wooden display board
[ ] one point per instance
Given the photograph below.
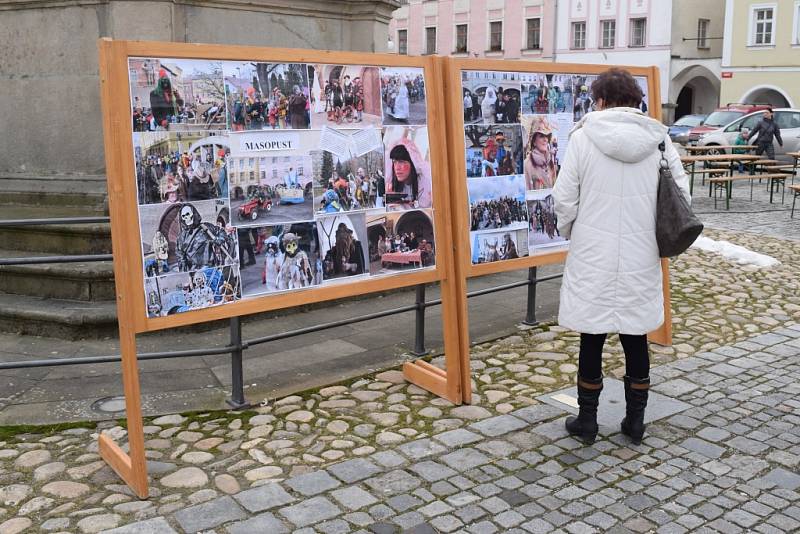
(131, 204)
(468, 125)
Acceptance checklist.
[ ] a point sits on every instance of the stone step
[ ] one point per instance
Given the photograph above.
(85, 191)
(89, 281)
(64, 239)
(60, 318)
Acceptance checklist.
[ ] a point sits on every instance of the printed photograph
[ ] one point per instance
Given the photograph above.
(403, 95)
(270, 189)
(345, 96)
(180, 166)
(546, 93)
(279, 258)
(583, 103)
(186, 236)
(407, 167)
(493, 150)
(642, 81)
(497, 202)
(176, 94)
(348, 184)
(267, 96)
(499, 245)
(541, 149)
(491, 97)
(543, 223)
(343, 245)
(400, 241)
(193, 290)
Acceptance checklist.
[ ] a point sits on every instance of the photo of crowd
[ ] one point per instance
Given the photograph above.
(407, 167)
(193, 290)
(494, 246)
(543, 223)
(541, 152)
(270, 189)
(497, 202)
(180, 166)
(493, 150)
(345, 96)
(403, 96)
(350, 184)
(279, 258)
(267, 96)
(186, 236)
(342, 245)
(547, 93)
(491, 97)
(400, 241)
(176, 94)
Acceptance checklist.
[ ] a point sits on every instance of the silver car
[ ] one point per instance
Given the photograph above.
(788, 121)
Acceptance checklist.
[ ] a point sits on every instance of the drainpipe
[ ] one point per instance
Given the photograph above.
(555, 30)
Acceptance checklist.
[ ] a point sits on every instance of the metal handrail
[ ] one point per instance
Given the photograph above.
(237, 344)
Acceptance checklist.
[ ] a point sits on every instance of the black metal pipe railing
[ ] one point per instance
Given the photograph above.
(237, 345)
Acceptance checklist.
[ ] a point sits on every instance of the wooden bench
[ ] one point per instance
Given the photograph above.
(796, 190)
(725, 183)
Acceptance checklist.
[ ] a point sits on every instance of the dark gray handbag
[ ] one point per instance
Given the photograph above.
(676, 224)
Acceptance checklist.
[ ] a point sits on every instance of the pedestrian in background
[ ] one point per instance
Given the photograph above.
(605, 202)
(766, 129)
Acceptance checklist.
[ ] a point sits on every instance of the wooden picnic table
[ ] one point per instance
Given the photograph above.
(729, 158)
(796, 190)
(709, 148)
(725, 183)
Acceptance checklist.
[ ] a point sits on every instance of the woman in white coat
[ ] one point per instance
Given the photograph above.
(605, 201)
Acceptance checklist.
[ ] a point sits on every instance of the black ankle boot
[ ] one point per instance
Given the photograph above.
(635, 402)
(584, 426)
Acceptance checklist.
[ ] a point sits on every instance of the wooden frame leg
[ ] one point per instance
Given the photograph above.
(131, 467)
(663, 335)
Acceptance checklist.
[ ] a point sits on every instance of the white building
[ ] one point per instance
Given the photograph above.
(681, 37)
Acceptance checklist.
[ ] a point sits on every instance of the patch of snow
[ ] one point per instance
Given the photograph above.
(735, 253)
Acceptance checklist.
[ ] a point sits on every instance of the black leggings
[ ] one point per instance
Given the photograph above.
(637, 358)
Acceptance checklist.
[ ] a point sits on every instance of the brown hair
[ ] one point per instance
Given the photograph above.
(617, 88)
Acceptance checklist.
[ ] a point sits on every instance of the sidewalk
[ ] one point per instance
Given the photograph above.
(379, 455)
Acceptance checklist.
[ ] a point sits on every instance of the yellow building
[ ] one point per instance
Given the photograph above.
(761, 52)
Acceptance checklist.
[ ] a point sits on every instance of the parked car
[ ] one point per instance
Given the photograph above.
(723, 116)
(788, 121)
(679, 131)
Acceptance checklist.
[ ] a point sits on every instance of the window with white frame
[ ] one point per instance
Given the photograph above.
(796, 32)
(579, 35)
(762, 26)
(496, 36)
(702, 33)
(608, 33)
(402, 42)
(430, 40)
(638, 32)
(461, 38)
(533, 31)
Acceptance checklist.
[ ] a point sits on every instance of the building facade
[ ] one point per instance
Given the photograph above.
(761, 57)
(681, 37)
(502, 29)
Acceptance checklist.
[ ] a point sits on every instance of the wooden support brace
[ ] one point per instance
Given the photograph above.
(430, 378)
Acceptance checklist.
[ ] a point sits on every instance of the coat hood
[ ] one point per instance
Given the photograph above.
(623, 134)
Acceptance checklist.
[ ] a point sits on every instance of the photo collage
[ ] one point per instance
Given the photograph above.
(257, 178)
(516, 135)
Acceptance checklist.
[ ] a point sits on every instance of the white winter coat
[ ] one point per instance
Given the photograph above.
(605, 201)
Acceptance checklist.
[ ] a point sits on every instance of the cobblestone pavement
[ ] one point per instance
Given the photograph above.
(379, 453)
